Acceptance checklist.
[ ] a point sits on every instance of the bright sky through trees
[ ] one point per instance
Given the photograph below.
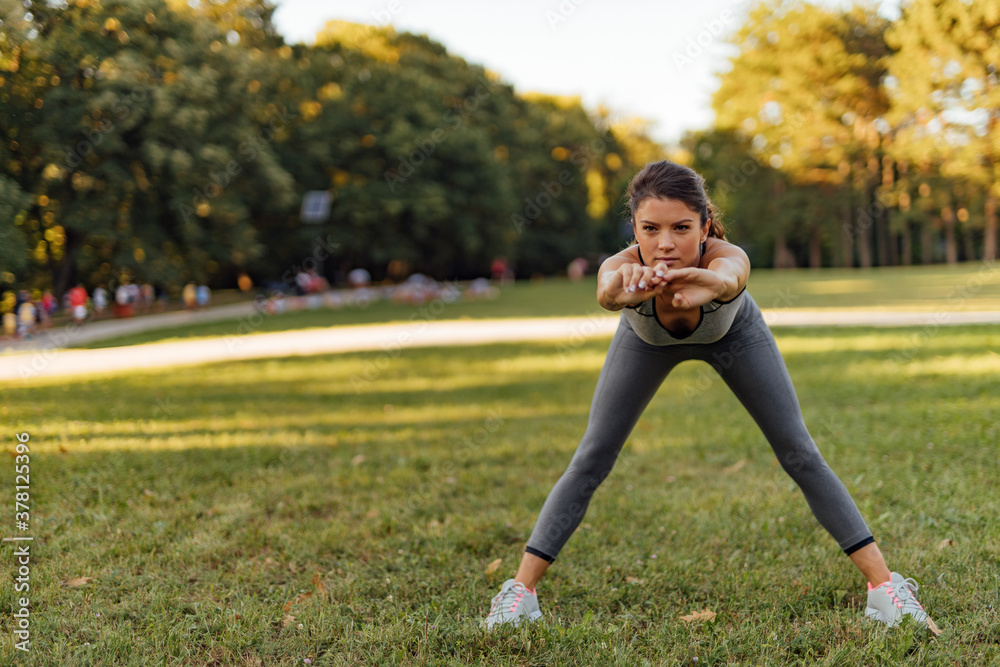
(656, 60)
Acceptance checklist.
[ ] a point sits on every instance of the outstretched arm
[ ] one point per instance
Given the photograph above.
(623, 281)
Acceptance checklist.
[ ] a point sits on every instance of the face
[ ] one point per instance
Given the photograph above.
(667, 230)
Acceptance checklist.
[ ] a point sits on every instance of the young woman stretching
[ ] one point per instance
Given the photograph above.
(682, 292)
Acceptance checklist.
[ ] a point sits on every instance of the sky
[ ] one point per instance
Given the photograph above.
(639, 58)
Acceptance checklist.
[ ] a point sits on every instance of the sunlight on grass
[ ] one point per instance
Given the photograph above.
(211, 503)
(843, 286)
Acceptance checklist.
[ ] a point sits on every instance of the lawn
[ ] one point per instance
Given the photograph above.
(973, 286)
(274, 511)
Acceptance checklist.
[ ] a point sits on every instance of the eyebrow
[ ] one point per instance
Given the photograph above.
(675, 222)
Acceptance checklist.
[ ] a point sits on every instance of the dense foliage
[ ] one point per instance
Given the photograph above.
(170, 141)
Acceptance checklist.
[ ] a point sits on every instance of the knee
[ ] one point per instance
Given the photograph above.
(587, 475)
(802, 460)
(592, 463)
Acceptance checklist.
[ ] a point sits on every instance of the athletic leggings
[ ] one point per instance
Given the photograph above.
(750, 363)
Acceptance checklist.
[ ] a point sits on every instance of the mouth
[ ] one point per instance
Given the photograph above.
(668, 259)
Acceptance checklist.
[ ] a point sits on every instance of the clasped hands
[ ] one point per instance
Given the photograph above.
(687, 288)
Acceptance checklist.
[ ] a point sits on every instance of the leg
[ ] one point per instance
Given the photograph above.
(632, 373)
(531, 570)
(750, 363)
(871, 563)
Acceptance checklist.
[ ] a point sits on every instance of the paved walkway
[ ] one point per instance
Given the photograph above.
(47, 358)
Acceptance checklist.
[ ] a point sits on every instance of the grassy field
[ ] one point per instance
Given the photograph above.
(936, 288)
(274, 511)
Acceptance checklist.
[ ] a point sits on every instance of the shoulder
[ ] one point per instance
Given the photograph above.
(630, 253)
(716, 248)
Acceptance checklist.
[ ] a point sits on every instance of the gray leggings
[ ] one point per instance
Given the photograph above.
(750, 363)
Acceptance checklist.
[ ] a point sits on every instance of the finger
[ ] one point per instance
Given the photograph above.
(680, 275)
(630, 277)
(646, 276)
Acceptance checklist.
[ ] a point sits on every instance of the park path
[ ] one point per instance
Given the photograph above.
(48, 357)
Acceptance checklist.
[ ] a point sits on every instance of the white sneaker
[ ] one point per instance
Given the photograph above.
(513, 603)
(889, 602)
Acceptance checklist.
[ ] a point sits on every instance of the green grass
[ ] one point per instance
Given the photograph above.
(963, 287)
(211, 504)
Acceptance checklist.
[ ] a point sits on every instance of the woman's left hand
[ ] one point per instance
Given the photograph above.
(693, 288)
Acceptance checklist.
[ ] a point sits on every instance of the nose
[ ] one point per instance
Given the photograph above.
(666, 240)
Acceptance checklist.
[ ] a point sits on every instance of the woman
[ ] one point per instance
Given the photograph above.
(682, 292)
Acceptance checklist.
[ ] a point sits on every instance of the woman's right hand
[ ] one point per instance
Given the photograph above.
(631, 284)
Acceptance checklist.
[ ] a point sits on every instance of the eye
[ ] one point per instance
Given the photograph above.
(648, 228)
(682, 227)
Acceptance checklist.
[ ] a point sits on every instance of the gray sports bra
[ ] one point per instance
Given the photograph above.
(714, 322)
(716, 318)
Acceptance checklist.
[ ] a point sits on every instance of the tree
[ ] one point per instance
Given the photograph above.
(141, 140)
(804, 90)
(945, 89)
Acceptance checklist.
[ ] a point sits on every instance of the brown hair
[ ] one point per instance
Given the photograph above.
(669, 180)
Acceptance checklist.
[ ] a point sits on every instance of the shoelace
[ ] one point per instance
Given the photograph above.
(907, 593)
(516, 591)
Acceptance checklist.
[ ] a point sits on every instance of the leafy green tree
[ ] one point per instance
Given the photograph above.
(945, 91)
(13, 246)
(804, 91)
(145, 144)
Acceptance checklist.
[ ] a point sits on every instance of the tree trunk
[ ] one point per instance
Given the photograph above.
(950, 246)
(968, 245)
(864, 243)
(847, 237)
(927, 242)
(64, 272)
(882, 238)
(783, 257)
(888, 180)
(906, 241)
(816, 249)
(990, 235)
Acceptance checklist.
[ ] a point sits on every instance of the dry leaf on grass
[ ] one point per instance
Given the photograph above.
(287, 620)
(297, 599)
(318, 583)
(932, 626)
(76, 583)
(946, 543)
(358, 460)
(492, 567)
(736, 466)
(705, 615)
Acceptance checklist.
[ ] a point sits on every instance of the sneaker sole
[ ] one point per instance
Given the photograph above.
(877, 615)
